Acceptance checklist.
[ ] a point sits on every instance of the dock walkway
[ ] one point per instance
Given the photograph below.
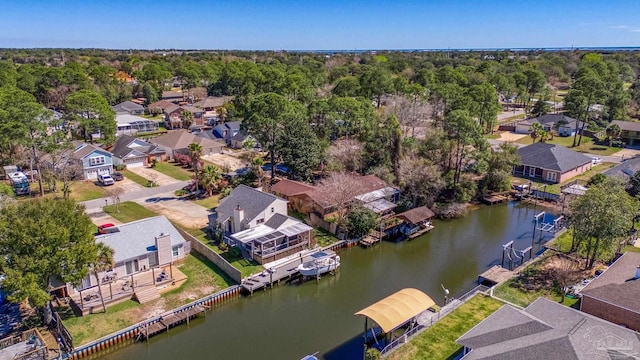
(495, 275)
(279, 272)
(170, 321)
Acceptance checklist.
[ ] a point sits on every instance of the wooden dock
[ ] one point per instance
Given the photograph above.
(424, 230)
(495, 199)
(495, 275)
(169, 321)
(372, 238)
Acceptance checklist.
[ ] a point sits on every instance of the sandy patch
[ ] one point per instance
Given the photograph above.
(181, 211)
(627, 153)
(225, 161)
(510, 136)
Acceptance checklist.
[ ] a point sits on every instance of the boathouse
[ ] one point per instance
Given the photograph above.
(393, 313)
(416, 221)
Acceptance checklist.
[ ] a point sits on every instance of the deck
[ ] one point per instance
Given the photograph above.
(372, 238)
(495, 199)
(274, 274)
(495, 275)
(424, 230)
(170, 321)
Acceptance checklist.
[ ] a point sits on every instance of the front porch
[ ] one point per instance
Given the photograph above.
(160, 279)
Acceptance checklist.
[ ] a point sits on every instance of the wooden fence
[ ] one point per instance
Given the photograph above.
(214, 257)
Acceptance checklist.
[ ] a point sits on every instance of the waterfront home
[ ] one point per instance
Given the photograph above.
(613, 296)
(177, 142)
(134, 152)
(562, 124)
(258, 224)
(550, 163)
(550, 331)
(415, 221)
(630, 134)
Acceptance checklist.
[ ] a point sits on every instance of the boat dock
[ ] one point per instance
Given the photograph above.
(495, 275)
(170, 321)
(275, 274)
(372, 238)
(424, 230)
(495, 198)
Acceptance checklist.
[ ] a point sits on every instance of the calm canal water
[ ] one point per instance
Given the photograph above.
(291, 321)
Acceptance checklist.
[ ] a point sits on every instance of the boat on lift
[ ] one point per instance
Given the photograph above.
(321, 262)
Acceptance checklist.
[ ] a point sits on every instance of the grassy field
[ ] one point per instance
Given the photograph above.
(246, 267)
(586, 145)
(85, 190)
(136, 178)
(203, 278)
(209, 202)
(173, 170)
(511, 292)
(439, 341)
(129, 211)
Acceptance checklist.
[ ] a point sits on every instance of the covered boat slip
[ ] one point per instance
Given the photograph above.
(394, 311)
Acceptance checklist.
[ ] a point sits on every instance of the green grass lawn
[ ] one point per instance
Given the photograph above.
(209, 202)
(85, 190)
(129, 211)
(323, 237)
(246, 267)
(203, 278)
(173, 170)
(439, 341)
(135, 178)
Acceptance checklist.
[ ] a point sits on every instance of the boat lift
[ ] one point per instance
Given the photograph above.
(509, 252)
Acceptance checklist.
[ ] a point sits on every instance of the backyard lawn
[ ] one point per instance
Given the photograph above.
(129, 211)
(173, 170)
(203, 278)
(136, 178)
(586, 145)
(439, 341)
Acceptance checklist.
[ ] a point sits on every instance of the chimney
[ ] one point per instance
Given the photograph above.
(238, 218)
(637, 273)
(163, 245)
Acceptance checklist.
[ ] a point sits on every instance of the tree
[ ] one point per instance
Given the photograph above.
(210, 179)
(360, 221)
(597, 179)
(535, 131)
(339, 189)
(501, 161)
(375, 82)
(195, 153)
(585, 92)
(41, 240)
(93, 114)
(600, 217)
(541, 107)
(102, 262)
(485, 106)
(187, 118)
(114, 193)
(465, 136)
(565, 271)
(300, 150)
(633, 187)
(613, 131)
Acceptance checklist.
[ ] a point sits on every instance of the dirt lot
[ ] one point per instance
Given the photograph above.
(181, 211)
(510, 136)
(225, 162)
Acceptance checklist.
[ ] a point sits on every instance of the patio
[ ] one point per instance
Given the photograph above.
(121, 289)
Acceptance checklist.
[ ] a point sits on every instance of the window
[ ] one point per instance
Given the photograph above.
(175, 251)
(260, 221)
(273, 209)
(551, 176)
(532, 171)
(96, 160)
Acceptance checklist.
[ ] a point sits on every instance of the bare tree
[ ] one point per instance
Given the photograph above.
(412, 113)
(421, 181)
(345, 155)
(114, 193)
(565, 270)
(338, 192)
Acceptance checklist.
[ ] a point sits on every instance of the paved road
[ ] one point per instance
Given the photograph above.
(136, 195)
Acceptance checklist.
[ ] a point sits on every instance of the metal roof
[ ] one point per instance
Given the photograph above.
(398, 308)
(380, 205)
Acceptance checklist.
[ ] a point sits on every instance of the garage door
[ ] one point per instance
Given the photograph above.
(134, 164)
(91, 175)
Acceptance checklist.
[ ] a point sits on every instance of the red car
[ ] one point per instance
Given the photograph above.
(102, 229)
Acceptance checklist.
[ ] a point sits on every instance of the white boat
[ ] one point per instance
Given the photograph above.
(321, 263)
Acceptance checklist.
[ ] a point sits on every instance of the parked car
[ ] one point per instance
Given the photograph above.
(118, 176)
(102, 229)
(596, 161)
(105, 180)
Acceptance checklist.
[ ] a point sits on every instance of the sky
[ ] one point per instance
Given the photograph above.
(318, 25)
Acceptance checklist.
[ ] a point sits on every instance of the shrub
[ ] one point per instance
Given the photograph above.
(181, 192)
(450, 211)
(120, 167)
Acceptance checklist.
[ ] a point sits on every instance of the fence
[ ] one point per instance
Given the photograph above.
(445, 310)
(214, 257)
(132, 331)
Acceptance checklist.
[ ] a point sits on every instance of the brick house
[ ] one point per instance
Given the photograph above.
(613, 296)
(550, 163)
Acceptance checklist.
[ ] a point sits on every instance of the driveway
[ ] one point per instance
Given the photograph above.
(182, 211)
(511, 136)
(150, 174)
(126, 185)
(100, 217)
(136, 195)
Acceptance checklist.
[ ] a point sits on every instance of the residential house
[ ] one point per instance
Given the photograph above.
(550, 163)
(173, 96)
(142, 245)
(210, 105)
(227, 130)
(161, 104)
(562, 124)
(237, 141)
(630, 131)
(173, 116)
(134, 152)
(613, 296)
(131, 124)
(128, 107)
(197, 113)
(177, 141)
(93, 160)
(625, 169)
(287, 189)
(547, 330)
(258, 224)
(124, 77)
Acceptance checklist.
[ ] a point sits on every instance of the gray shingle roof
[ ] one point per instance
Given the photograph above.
(122, 147)
(546, 330)
(551, 120)
(139, 237)
(552, 157)
(251, 200)
(617, 284)
(627, 125)
(128, 106)
(625, 169)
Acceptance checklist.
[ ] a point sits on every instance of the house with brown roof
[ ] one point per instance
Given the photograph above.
(173, 96)
(161, 104)
(415, 221)
(630, 134)
(173, 116)
(197, 114)
(177, 141)
(614, 295)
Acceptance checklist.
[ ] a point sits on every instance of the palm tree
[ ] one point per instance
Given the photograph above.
(222, 113)
(536, 131)
(210, 178)
(103, 262)
(187, 119)
(613, 132)
(545, 136)
(195, 153)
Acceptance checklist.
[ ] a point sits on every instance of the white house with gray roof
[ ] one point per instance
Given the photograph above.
(259, 225)
(142, 245)
(547, 330)
(550, 163)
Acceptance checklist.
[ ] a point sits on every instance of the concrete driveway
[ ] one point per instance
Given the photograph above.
(184, 212)
(150, 174)
(127, 185)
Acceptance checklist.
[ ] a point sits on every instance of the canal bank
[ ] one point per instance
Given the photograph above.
(293, 320)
